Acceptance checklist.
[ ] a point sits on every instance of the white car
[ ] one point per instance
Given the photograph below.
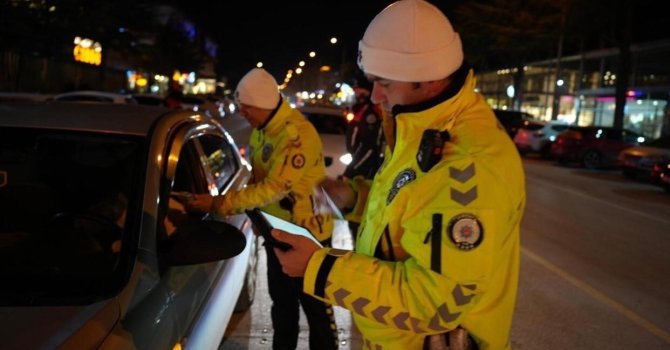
(331, 124)
(96, 250)
(537, 136)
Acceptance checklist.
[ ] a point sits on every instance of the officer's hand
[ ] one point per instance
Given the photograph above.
(340, 192)
(294, 261)
(199, 203)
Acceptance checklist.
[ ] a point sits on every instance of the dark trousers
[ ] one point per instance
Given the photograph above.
(287, 296)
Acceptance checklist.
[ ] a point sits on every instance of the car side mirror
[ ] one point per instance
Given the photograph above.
(328, 160)
(203, 241)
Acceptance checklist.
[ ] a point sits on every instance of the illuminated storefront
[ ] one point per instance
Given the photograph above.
(585, 90)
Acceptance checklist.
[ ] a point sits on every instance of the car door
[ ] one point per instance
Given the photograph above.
(179, 308)
(204, 295)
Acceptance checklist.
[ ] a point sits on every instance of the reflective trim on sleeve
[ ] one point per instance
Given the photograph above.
(322, 275)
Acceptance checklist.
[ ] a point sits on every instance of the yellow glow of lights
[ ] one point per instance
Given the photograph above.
(141, 82)
(312, 54)
(259, 65)
(333, 40)
(350, 116)
(87, 51)
(301, 63)
(324, 69)
(298, 70)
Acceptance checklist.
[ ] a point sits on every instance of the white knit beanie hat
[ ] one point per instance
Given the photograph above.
(410, 41)
(258, 89)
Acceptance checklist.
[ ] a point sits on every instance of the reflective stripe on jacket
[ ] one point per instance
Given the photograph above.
(436, 249)
(287, 165)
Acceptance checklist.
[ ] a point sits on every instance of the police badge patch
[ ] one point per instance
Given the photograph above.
(405, 177)
(465, 231)
(298, 161)
(266, 152)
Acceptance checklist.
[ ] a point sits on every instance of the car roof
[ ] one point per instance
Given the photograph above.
(111, 118)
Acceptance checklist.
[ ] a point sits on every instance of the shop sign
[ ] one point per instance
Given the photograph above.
(87, 51)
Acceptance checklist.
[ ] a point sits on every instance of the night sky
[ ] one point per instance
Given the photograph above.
(281, 33)
(284, 31)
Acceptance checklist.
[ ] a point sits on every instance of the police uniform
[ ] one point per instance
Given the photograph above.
(438, 248)
(287, 165)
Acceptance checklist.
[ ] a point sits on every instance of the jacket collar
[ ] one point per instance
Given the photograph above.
(277, 118)
(439, 113)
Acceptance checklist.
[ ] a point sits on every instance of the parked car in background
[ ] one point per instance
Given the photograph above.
(512, 120)
(149, 99)
(637, 162)
(95, 96)
(331, 124)
(96, 250)
(24, 97)
(201, 104)
(660, 174)
(593, 146)
(537, 136)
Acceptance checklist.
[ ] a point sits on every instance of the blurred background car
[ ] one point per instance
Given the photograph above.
(637, 162)
(149, 99)
(660, 174)
(96, 250)
(537, 136)
(331, 124)
(94, 96)
(24, 97)
(512, 120)
(593, 147)
(201, 104)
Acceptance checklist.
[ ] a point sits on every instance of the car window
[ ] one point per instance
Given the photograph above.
(630, 136)
(64, 213)
(220, 159)
(559, 128)
(532, 126)
(327, 124)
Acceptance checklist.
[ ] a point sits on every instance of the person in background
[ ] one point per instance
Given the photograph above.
(436, 262)
(286, 155)
(365, 142)
(174, 95)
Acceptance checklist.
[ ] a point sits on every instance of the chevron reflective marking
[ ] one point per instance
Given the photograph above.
(415, 325)
(435, 324)
(470, 286)
(464, 198)
(459, 297)
(359, 304)
(400, 319)
(379, 313)
(339, 296)
(462, 175)
(446, 315)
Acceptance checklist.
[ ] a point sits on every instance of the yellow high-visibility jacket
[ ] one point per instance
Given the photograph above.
(286, 156)
(436, 249)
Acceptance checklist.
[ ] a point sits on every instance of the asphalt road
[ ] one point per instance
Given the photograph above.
(595, 268)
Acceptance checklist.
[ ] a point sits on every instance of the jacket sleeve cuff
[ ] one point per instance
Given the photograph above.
(319, 267)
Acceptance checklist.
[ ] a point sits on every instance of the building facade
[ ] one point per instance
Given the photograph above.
(583, 93)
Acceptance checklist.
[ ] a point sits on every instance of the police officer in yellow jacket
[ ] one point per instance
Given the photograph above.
(436, 261)
(287, 166)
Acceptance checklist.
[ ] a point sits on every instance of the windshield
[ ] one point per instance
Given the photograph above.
(64, 214)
